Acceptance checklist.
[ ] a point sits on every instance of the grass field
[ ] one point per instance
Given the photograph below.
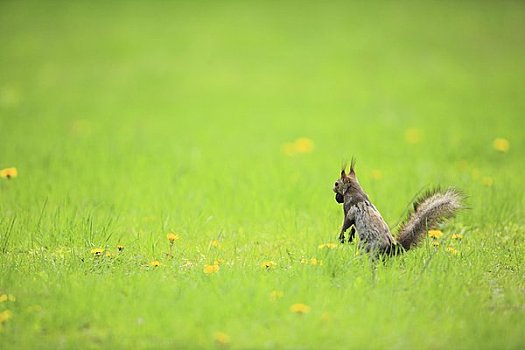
(226, 123)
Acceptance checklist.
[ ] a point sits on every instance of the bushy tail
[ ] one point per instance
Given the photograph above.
(430, 209)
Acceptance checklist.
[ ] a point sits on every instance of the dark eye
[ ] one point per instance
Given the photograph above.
(336, 184)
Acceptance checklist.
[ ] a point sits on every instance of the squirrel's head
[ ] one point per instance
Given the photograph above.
(345, 183)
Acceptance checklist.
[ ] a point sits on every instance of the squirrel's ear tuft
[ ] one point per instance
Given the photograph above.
(352, 167)
(343, 170)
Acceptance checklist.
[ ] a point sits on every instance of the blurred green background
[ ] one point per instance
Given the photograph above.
(207, 92)
(127, 120)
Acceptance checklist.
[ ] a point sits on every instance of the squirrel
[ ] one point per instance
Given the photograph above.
(430, 209)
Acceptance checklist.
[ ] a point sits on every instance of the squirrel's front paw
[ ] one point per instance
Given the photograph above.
(352, 235)
(342, 238)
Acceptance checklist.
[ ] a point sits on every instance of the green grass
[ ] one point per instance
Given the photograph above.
(127, 121)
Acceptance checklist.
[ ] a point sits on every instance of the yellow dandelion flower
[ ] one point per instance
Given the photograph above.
(108, 254)
(172, 237)
(300, 308)
(301, 145)
(501, 144)
(221, 338)
(376, 174)
(457, 236)
(452, 250)
(276, 294)
(487, 181)
(304, 145)
(314, 261)
(327, 246)
(97, 251)
(7, 297)
(435, 234)
(413, 136)
(8, 173)
(154, 263)
(209, 269)
(5, 315)
(215, 243)
(120, 248)
(268, 264)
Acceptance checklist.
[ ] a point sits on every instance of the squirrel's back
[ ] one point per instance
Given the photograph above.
(373, 231)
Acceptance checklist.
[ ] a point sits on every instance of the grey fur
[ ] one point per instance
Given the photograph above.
(374, 235)
(429, 210)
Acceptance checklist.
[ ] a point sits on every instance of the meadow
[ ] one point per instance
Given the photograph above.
(175, 162)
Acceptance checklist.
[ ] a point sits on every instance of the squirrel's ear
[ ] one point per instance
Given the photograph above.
(343, 174)
(352, 166)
